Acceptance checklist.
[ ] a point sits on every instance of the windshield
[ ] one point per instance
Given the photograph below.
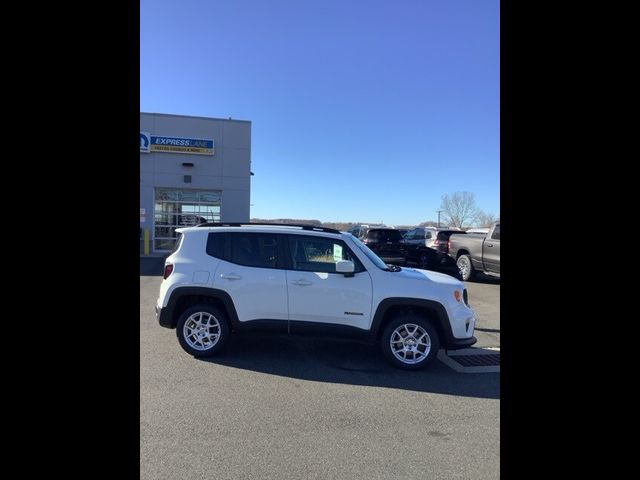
(370, 255)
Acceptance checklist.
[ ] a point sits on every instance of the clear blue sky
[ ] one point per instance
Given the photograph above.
(361, 110)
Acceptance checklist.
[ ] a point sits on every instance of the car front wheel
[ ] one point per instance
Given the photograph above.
(410, 342)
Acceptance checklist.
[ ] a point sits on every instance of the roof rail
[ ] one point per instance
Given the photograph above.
(296, 225)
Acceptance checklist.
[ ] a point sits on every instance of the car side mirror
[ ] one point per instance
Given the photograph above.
(345, 266)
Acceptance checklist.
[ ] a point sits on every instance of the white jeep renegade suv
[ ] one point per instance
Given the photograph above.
(226, 278)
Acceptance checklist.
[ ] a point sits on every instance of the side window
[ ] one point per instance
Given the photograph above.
(215, 245)
(427, 235)
(410, 235)
(316, 254)
(254, 249)
(374, 235)
(496, 233)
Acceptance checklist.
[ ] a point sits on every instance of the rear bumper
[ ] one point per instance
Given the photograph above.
(163, 316)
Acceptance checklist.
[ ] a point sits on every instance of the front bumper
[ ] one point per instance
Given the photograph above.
(458, 343)
(463, 323)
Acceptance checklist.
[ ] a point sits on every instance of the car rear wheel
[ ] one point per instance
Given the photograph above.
(202, 330)
(410, 342)
(465, 267)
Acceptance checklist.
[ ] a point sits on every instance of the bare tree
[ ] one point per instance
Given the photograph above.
(486, 219)
(459, 209)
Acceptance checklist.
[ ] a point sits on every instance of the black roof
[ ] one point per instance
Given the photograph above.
(240, 224)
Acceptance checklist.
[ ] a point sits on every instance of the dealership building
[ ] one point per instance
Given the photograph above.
(192, 169)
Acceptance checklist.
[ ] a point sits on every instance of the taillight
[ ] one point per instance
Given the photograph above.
(168, 268)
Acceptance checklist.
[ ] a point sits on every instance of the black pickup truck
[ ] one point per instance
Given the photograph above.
(476, 252)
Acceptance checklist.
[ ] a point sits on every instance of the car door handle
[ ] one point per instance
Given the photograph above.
(489, 244)
(230, 276)
(301, 283)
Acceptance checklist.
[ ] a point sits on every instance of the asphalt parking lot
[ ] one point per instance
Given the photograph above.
(286, 407)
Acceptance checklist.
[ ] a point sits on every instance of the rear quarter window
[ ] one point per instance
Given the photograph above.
(215, 245)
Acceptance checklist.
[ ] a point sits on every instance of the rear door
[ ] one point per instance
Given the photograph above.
(252, 273)
(491, 251)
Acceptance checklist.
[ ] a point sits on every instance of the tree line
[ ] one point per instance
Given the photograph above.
(457, 210)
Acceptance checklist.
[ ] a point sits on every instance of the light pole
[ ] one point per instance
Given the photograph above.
(439, 218)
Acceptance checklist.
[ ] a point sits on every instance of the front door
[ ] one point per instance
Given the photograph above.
(319, 295)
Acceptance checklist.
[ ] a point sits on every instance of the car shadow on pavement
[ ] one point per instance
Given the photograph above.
(344, 362)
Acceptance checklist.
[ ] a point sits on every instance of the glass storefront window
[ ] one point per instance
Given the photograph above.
(176, 208)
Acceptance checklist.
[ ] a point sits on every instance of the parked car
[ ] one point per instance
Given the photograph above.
(359, 231)
(473, 253)
(428, 247)
(387, 243)
(225, 279)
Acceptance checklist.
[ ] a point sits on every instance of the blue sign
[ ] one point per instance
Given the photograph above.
(195, 146)
(145, 142)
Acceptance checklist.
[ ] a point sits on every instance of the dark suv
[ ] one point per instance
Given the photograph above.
(387, 243)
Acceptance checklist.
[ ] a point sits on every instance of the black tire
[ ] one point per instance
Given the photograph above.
(465, 267)
(411, 320)
(208, 346)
